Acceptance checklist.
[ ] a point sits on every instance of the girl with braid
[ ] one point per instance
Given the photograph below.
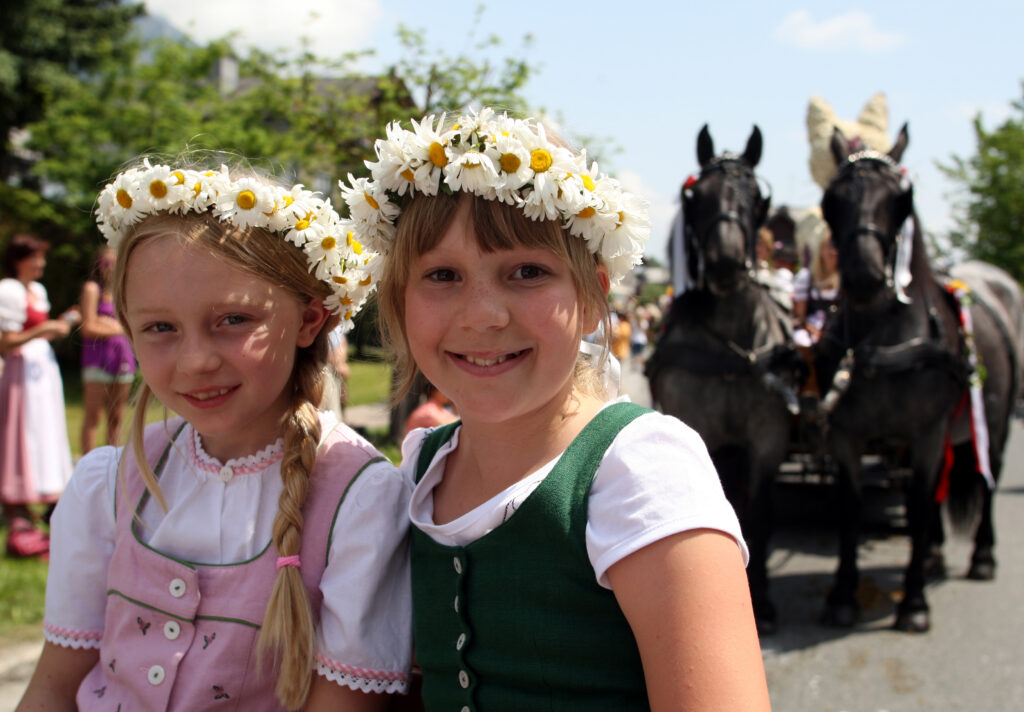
(249, 551)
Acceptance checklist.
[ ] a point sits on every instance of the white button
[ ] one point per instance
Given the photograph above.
(172, 630)
(456, 604)
(226, 473)
(155, 675)
(177, 588)
(465, 708)
(458, 565)
(463, 679)
(460, 642)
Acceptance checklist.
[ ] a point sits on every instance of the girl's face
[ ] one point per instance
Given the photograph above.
(216, 344)
(497, 332)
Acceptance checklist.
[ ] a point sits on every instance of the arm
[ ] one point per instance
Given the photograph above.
(687, 600)
(46, 330)
(95, 326)
(57, 676)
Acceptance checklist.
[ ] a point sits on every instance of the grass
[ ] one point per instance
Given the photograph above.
(23, 581)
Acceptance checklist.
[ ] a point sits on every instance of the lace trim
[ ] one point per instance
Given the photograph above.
(248, 465)
(67, 638)
(363, 679)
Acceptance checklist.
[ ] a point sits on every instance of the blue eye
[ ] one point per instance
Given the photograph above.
(234, 319)
(160, 327)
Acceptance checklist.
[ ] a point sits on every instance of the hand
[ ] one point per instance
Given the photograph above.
(72, 316)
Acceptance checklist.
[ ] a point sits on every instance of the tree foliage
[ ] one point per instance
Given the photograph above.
(990, 215)
(46, 45)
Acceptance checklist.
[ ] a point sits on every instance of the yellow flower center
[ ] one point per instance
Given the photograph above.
(348, 315)
(370, 200)
(302, 224)
(408, 175)
(366, 282)
(158, 189)
(328, 243)
(346, 301)
(587, 212)
(622, 216)
(437, 155)
(246, 200)
(288, 200)
(340, 280)
(123, 199)
(540, 160)
(197, 189)
(509, 162)
(588, 182)
(179, 177)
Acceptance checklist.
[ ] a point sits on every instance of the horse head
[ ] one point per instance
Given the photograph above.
(865, 206)
(723, 208)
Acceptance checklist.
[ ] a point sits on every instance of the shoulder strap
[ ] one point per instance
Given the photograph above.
(431, 444)
(585, 453)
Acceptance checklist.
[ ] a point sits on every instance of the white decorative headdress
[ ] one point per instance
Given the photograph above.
(498, 158)
(298, 215)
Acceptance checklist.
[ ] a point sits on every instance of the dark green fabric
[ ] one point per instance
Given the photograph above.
(540, 633)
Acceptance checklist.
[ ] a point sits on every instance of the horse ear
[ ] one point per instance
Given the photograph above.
(752, 154)
(896, 152)
(839, 146)
(705, 147)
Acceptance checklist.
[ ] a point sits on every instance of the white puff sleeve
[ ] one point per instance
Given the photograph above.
(82, 533)
(364, 640)
(13, 303)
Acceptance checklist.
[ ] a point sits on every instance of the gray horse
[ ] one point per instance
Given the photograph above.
(725, 363)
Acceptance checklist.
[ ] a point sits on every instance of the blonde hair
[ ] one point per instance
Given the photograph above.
(820, 274)
(497, 226)
(288, 628)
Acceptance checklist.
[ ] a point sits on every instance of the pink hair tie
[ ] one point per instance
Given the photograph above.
(288, 561)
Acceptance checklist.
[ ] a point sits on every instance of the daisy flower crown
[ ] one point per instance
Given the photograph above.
(498, 158)
(296, 214)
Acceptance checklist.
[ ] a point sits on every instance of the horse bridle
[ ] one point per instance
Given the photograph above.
(889, 243)
(698, 239)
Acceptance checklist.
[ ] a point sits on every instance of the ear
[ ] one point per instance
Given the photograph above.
(896, 152)
(592, 317)
(752, 154)
(839, 146)
(705, 147)
(314, 316)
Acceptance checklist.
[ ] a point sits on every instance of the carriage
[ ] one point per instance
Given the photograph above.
(899, 376)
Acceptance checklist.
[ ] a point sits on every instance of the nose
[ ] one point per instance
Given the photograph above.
(197, 355)
(483, 305)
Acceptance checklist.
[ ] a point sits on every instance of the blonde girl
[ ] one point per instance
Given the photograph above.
(570, 550)
(250, 552)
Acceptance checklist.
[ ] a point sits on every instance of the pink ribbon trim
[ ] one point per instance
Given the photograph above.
(288, 561)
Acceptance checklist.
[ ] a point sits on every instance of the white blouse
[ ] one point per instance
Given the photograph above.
(655, 480)
(222, 513)
(14, 303)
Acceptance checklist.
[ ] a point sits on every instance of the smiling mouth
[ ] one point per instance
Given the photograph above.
(207, 395)
(480, 361)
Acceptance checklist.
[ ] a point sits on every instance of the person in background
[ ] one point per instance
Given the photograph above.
(621, 332)
(35, 456)
(336, 387)
(108, 364)
(434, 411)
(815, 292)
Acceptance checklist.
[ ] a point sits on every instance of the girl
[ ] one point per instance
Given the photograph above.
(569, 552)
(249, 550)
(35, 457)
(108, 364)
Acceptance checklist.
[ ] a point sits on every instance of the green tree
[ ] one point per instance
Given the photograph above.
(44, 46)
(990, 211)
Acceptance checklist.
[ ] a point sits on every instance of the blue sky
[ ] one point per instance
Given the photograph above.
(647, 74)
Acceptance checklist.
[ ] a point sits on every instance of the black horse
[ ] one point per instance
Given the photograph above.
(725, 363)
(899, 369)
